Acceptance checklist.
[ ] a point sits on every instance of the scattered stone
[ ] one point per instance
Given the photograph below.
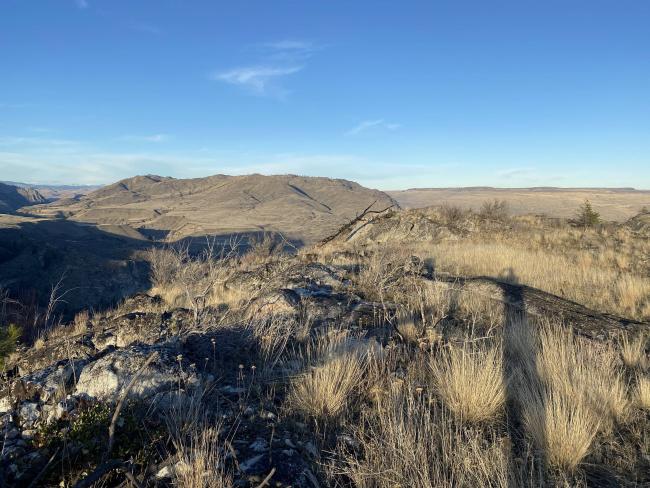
(29, 414)
(260, 445)
(311, 448)
(104, 379)
(250, 463)
(164, 473)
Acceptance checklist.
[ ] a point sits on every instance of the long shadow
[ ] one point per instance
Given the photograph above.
(97, 266)
(515, 325)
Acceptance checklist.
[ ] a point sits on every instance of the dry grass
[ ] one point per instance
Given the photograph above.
(200, 462)
(198, 459)
(324, 392)
(470, 380)
(564, 431)
(642, 392)
(633, 352)
(575, 276)
(406, 442)
(568, 390)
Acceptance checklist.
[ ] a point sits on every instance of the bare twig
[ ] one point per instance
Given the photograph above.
(354, 221)
(40, 474)
(266, 480)
(100, 471)
(120, 403)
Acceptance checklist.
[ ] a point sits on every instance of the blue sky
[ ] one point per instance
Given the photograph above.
(393, 94)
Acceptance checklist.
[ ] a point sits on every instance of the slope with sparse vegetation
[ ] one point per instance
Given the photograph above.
(428, 348)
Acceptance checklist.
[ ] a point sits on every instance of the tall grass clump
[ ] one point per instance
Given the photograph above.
(642, 392)
(568, 390)
(633, 351)
(198, 449)
(470, 381)
(334, 372)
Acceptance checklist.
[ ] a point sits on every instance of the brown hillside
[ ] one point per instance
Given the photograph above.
(302, 208)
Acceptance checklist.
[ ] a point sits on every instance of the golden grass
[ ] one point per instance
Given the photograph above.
(633, 352)
(562, 430)
(406, 442)
(470, 381)
(642, 392)
(325, 391)
(568, 390)
(573, 276)
(198, 457)
(200, 462)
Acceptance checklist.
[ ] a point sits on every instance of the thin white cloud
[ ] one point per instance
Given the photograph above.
(372, 124)
(81, 3)
(258, 79)
(150, 138)
(279, 60)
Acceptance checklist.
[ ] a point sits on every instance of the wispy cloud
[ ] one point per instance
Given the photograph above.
(81, 3)
(258, 79)
(372, 124)
(279, 59)
(149, 138)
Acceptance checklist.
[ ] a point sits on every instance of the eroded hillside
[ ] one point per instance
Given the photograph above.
(303, 209)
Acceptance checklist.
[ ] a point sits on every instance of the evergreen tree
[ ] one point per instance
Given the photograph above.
(587, 216)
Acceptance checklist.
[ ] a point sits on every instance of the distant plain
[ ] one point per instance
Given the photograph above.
(612, 203)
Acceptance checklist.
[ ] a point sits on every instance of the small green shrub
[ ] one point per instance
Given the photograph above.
(9, 336)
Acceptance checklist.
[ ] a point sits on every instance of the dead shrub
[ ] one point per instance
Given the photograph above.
(452, 215)
(495, 210)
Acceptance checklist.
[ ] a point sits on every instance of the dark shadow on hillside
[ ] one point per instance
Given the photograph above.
(12, 198)
(97, 269)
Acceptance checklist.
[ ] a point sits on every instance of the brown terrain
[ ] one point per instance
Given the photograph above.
(93, 243)
(611, 203)
(55, 192)
(302, 209)
(12, 198)
(434, 347)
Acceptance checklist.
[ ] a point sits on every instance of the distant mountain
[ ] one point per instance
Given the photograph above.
(55, 192)
(13, 197)
(302, 208)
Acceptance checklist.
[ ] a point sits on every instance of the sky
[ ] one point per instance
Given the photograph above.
(392, 94)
